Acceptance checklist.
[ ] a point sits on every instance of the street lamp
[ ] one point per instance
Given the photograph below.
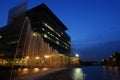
(76, 55)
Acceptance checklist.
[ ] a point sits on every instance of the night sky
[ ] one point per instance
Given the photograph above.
(94, 25)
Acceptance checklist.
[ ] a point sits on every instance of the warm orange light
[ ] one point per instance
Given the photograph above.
(36, 70)
(46, 56)
(25, 71)
(45, 69)
(27, 57)
(37, 57)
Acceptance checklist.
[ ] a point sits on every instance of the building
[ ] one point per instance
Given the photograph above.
(34, 37)
(113, 60)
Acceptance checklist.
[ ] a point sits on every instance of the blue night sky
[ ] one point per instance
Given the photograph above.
(94, 25)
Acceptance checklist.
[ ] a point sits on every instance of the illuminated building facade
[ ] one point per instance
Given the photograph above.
(35, 37)
(50, 28)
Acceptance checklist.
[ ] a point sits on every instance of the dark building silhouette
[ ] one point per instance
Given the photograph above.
(113, 60)
(35, 32)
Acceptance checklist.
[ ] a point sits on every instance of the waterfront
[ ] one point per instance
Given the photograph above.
(86, 73)
(79, 73)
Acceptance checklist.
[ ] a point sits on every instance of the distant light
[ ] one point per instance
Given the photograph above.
(76, 55)
(114, 59)
(103, 59)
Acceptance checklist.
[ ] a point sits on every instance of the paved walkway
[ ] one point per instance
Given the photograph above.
(37, 73)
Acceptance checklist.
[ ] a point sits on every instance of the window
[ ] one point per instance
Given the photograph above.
(0, 36)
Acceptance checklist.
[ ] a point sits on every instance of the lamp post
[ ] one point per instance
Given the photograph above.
(77, 59)
(77, 55)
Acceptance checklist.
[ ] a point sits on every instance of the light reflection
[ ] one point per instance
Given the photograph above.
(78, 74)
(25, 71)
(116, 68)
(45, 69)
(112, 72)
(36, 70)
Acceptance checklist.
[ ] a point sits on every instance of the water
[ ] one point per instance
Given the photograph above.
(86, 73)
(80, 73)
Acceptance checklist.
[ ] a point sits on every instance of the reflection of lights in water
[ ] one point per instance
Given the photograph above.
(116, 68)
(25, 71)
(112, 72)
(45, 69)
(110, 67)
(36, 70)
(78, 74)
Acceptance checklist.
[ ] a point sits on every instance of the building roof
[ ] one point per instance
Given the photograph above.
(43, 7)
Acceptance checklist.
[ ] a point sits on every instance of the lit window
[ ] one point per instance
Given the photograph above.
(59, 35)
(43, 29)
(56, 38)
(53, 35)
(0, 36)
(12, 42)
(45, 36)
(34, 34)
(48, 32)
(57, 42)
(48, 26)
(69, 42)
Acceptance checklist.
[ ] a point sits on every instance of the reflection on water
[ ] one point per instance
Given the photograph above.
(67, 74)
(111, 73)
(29, 73)
(24, 71)
(45, 69)
(81, 73)
(78, 74)
(35, 70)
(86, 73)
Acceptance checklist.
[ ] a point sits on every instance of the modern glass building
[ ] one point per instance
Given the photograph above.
(34, 37)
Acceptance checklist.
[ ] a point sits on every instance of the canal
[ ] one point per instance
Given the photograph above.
(80, 73)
